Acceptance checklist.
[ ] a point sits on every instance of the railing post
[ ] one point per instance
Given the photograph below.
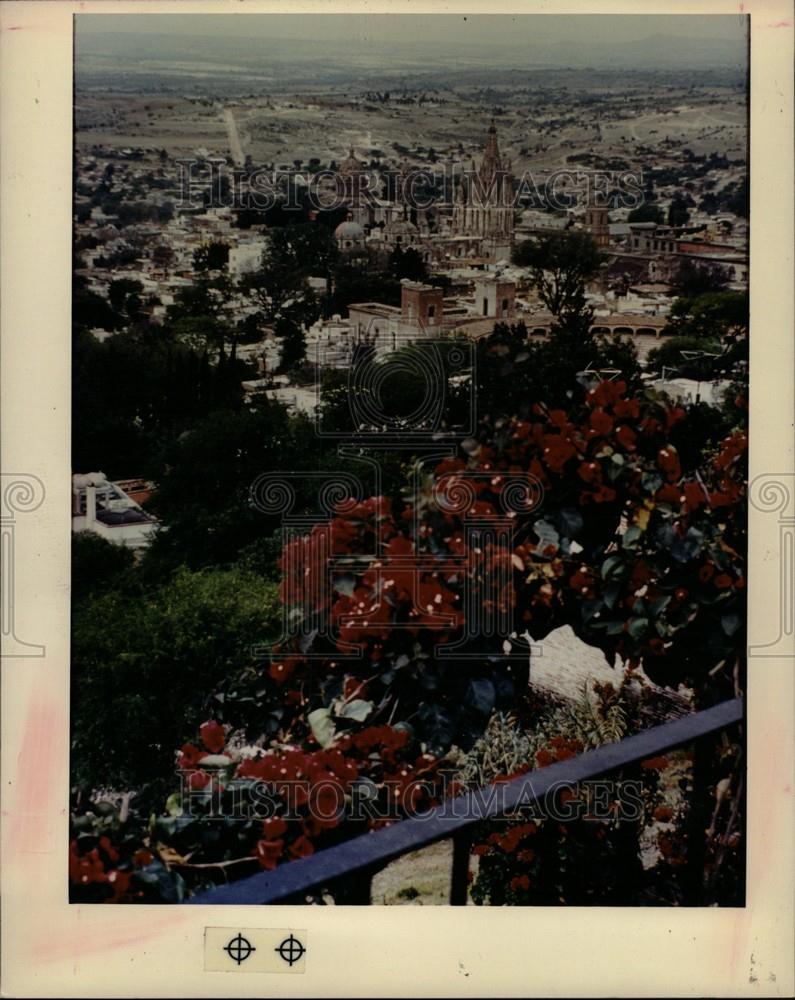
(459, 886)
(354, 890)
(697, 825)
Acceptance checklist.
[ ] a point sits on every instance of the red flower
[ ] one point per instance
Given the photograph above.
(626, 438)
(520, 882)
(601, 422)
(482, 508)
(706, 572)
(281, 671)
(668, 460)
(627, 408)
(142, 857)
(400, 546)
(668, 493)
(268, 852)
(326, 801)
(189, 757)
(120, 881)
(674, 416)
(199, 780)
(655, 764)
(590, 472)
(274, 828)
(606, 393)
(694, 496)
(450, 465)
(723, 581)
(301, 847)
(213, 736)
(87, 868)
(605, 494)
(557, 451)
(582, 581)
(108, 849)
(264, 768)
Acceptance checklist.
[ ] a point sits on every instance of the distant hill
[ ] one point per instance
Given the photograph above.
(228, 63)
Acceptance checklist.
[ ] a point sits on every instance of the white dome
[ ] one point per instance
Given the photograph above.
(349, 230)
(400, 227)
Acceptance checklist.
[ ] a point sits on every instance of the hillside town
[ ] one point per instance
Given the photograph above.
(149, 230)
(409, 441)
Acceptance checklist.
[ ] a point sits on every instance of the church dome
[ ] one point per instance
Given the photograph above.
(400, 227)
(349, 230)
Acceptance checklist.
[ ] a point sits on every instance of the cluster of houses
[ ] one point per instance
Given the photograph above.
(469, 242)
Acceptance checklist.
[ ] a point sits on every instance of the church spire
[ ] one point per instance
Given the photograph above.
(492, 146)
(490, 164)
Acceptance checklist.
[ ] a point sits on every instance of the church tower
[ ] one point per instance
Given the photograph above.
(596, 221)
(483, 202)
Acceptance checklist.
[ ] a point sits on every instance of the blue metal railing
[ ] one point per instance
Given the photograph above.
(360, 858)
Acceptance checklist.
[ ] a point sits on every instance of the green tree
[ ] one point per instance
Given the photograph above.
(354, 283)
(200, 315)
(139, 651)
(124, 295)
(698, 277)
(646, 213)
(669, 356)
(97, 564)
(133, 394)
(678, 214)
(560, 265)
(212, 256)
(293, 343)
(293, 254)
(711, 316)
(204, 479)
(407, 264)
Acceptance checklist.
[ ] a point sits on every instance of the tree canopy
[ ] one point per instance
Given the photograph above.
(560, 265)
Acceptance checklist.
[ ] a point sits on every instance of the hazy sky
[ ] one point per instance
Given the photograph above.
(449, 29)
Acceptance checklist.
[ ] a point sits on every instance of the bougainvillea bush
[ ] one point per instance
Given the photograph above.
(623, 530)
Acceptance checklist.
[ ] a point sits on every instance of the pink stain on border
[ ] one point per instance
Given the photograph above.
(103, 936)
(36, 777)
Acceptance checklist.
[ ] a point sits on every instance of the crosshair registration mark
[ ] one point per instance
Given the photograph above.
(239, 948)
(290, 949)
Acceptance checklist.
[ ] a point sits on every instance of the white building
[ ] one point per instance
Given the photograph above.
(101, 506)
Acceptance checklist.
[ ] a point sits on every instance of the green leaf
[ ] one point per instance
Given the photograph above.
(358, 710)
(651, 481)
(631, 537)
(481, 695)
(637, 626)
(322, 727)
(174, 804)
(613, 566)
(730, 623)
